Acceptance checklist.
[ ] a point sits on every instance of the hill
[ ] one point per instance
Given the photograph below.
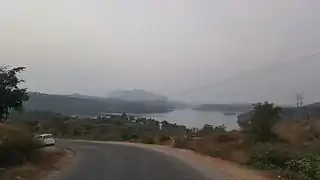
(140, 95)
(137, 95)
(72, 105)
(232, 108)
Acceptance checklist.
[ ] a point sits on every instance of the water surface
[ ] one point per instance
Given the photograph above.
(192, 118)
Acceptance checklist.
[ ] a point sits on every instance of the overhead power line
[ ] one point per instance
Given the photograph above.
(261, 70)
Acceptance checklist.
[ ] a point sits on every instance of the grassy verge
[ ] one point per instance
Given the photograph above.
(21, 156)
(295, 155)
(38, 166)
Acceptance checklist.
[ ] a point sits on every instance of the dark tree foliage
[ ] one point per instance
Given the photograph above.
(11, 96)
(265, 116)
(206, 129)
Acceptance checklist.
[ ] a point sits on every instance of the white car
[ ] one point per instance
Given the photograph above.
(47, 139)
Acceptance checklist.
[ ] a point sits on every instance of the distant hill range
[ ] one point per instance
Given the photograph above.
(140, 95)
(307, 112)
(135, 102)
(76, 104)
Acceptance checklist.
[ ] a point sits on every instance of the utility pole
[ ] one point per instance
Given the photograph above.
(299, 99)
(299, 103)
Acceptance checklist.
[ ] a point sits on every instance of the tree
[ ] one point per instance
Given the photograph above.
(206, 129)
(11, 96)
(220, 128)
(265, 116)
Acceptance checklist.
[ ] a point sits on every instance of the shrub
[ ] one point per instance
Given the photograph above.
(265, 116)
(225, 137)
(163, 138)
(146, 139)
(307, 164)
(269, 156)
(16, 145)
(239, 156)
(44, 159)
(180, 143)
(301, 166)
(214, 153)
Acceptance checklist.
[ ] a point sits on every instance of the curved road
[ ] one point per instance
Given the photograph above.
(111, 161)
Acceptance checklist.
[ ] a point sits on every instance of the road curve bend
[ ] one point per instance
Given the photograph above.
(122, 161)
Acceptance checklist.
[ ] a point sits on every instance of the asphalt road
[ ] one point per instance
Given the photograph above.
(97, 161)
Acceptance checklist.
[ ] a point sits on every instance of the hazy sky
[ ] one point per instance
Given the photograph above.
(165, 46)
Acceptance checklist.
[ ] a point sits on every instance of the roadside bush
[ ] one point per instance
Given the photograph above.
(260, 125)
(148, 140)
(307, 165)
(16, 145)
(164, 138)
(45, 159)
(181, 143)
(293, 164)
(269, 156)
(239, 156)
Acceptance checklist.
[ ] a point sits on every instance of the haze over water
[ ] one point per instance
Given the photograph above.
(197, 119)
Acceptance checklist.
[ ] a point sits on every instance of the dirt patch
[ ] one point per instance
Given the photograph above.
(64, 162)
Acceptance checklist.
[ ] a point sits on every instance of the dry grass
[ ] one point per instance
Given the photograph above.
(294, 132)
(301, 137)
(27, 171)
(47, 159)
(34, 163)
(42, 162)
(240, 156)
(300, 134)
(225, 145)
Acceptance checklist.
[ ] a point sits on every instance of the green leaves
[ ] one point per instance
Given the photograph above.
(296, 163)
(265, 116)
(11, 96)
(307, 164)
(269, 156)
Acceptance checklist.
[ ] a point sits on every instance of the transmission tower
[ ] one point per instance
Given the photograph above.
(299, 99)
(299, 103)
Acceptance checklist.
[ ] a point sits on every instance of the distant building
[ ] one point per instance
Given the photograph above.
(160, 125)
(194, 130)
(94, 118)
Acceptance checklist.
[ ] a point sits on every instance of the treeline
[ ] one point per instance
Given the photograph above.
(111, 127)
(107, 128)
(307, 112)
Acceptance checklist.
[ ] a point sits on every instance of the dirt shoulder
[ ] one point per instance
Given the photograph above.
(63, 163)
